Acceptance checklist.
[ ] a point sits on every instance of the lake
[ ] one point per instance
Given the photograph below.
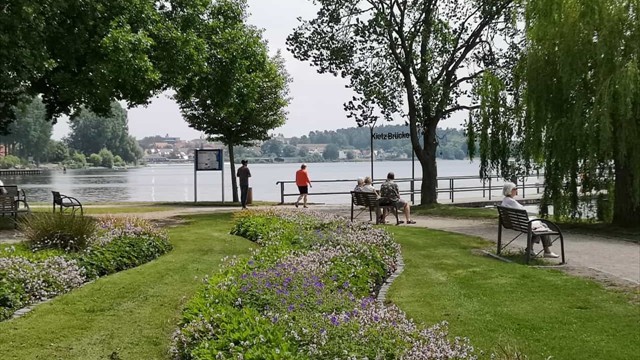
(176, 182)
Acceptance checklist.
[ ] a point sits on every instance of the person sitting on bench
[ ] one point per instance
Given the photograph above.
(389, 190)
(368, 187)
(510, 190)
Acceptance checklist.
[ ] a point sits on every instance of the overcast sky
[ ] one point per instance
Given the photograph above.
(317, 100)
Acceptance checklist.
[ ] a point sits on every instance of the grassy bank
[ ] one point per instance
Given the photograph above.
(539, 312)
(129, 315)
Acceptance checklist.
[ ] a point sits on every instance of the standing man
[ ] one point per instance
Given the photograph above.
(304, 183)
(244, 174)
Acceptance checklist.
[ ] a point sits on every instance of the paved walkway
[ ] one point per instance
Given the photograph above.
(612, 261)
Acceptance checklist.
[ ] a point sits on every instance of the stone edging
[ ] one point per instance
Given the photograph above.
(382, 294)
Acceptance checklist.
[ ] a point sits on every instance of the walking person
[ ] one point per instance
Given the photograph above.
(244, 174)
(304, 183)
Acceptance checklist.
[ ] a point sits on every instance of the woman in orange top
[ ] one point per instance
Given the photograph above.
(302, 180)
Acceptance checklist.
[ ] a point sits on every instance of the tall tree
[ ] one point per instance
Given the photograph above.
(91, 52)
(90, 133)
(30, 130)
(572, 105)
(412, 58)
(241, 94)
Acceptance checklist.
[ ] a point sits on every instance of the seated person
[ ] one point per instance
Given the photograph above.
(389, 190)
(360, 185)
(368, 187)
(510, 190)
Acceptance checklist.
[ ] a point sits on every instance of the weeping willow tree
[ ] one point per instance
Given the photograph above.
(571, 106)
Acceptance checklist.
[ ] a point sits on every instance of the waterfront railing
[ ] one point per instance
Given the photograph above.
(487, 189)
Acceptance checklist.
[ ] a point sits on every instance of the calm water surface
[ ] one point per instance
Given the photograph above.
(176, 182)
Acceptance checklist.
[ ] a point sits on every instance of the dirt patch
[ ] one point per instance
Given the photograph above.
(168, 222)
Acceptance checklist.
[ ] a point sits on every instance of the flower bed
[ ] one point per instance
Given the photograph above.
(28, 276)
(307, 293)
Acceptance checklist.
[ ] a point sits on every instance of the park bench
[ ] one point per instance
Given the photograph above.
(66, 202)
(518, 220)
(371, 202)
(11, 199)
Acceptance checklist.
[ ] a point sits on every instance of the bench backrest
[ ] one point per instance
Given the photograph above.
(8, 203)
(57, 199)
(362, 198)
(514, 219)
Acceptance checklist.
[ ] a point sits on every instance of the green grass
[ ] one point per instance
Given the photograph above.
(129, 315)
(540, 312)
(585, 227)
(455, 211)
(111, 209)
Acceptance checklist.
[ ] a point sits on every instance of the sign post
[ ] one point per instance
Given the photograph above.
(207, 160)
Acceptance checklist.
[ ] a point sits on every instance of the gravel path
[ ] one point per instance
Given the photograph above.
(611, 261)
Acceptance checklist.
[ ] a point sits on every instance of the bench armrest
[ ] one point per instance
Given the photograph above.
(71, 199)
(552, 226)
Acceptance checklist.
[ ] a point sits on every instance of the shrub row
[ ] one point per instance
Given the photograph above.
(307, 293)
(51, 263)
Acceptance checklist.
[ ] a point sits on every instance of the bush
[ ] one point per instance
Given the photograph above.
(58, 231)
(120, 254)
(9, 161)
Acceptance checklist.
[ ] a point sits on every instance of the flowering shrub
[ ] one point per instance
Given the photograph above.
(33, 272)
(306, 294)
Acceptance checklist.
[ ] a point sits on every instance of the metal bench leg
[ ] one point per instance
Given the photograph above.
(529, 248)
(499, 236)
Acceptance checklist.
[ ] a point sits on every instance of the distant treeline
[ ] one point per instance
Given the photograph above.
(392, 139)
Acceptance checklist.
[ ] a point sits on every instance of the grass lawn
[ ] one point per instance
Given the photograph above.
(111, 209)
(129, 315)
(539, 312)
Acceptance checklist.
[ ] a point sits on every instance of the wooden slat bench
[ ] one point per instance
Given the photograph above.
(371, 202)
(10, 205)
(518, 220)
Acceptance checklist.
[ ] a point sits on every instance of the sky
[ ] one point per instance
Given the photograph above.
(317, 99)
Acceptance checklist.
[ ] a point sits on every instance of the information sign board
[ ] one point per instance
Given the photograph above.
(208, 160)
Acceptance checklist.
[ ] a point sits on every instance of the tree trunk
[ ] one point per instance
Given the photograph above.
(428, 190)
(234, 180)
(625, 212)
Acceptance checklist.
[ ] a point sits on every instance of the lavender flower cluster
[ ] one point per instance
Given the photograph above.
(309, 284)
(112, 227)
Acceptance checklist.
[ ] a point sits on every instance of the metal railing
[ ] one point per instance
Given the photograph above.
(488, 186)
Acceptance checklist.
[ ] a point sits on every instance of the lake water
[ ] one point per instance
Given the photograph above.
(176, 182)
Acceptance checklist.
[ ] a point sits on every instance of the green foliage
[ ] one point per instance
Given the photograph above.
(331, 152)
(406, 59)
(9, 161)
(78, 160)
(57, 151)
(95, 160)
(91, 52)
(29, 131)
(104, 135)
(121, 253)
(570, 105)
(107, 158)
(58, 231)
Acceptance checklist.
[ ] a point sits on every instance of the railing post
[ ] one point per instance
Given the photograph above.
(451, 188)
(413, 190)
(523, 186)
(489, 187)
(281, 193)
